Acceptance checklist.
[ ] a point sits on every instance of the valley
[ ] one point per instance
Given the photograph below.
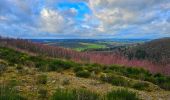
(90, 44)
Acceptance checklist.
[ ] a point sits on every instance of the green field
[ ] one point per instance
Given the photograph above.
(89, 46)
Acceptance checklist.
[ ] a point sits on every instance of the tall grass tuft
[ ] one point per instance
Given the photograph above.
(121, 94)
(79, 94)
(7, 93)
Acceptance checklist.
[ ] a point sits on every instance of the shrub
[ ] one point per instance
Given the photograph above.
(121, 94)
(41, 65)
(59, 64)
(42, 79)
(94, 68)
(79, 94)
(84, 74)
(13, 57)
(117, 68)
(165, 85)
(141, 86)
(115, 80)
(160, 80)
(150, 79)
(135, 73)
(158, 75)
(78, 68)
(7, 93)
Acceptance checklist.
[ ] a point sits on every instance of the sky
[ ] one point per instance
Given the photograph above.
(85, 18)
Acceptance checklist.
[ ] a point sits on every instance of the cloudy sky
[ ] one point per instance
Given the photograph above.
(85, 18)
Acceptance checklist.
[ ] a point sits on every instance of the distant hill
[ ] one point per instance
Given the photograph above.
(156, 50)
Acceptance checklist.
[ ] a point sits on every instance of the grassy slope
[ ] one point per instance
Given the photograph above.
(22, 73)
(27, 85)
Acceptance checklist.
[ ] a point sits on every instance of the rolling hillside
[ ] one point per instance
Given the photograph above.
(25, 76)
(83, 57)
(156, 50)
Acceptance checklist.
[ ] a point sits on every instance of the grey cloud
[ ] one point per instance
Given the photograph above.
(121, 13)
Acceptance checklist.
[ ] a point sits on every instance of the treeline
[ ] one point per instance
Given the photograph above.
(85, 57)
(40, 49)
(157, 51)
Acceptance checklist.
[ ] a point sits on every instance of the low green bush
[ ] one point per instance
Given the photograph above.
(115, 80)
(135, 73)
(163, 82)
(12, 56)
(165, 86)
(94, 68)
(55, 65)
(78, 68)
(121, 94)
(141, 86)
(84, 74)
(160, 80)
(158, 75)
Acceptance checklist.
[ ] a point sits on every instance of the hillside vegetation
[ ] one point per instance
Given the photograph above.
(27, 76)
(157, 51)
(83, 57)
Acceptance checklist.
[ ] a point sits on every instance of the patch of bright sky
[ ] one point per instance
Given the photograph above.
(81, 7)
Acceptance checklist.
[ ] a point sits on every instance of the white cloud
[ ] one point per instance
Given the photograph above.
(51, 21)
(115, 14)
(103, 18)
(73, 10)
(3, 18)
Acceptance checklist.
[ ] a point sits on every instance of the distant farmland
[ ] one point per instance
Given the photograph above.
(89, 44)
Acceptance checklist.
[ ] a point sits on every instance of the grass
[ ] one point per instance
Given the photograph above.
(121, 94)
(13, 57)
(43, 93)
(42, 79)
(86, 46)
(79, 94)
(139, 74)
(115, 80)
(141, 86)
(3, 67)
(8, 93)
